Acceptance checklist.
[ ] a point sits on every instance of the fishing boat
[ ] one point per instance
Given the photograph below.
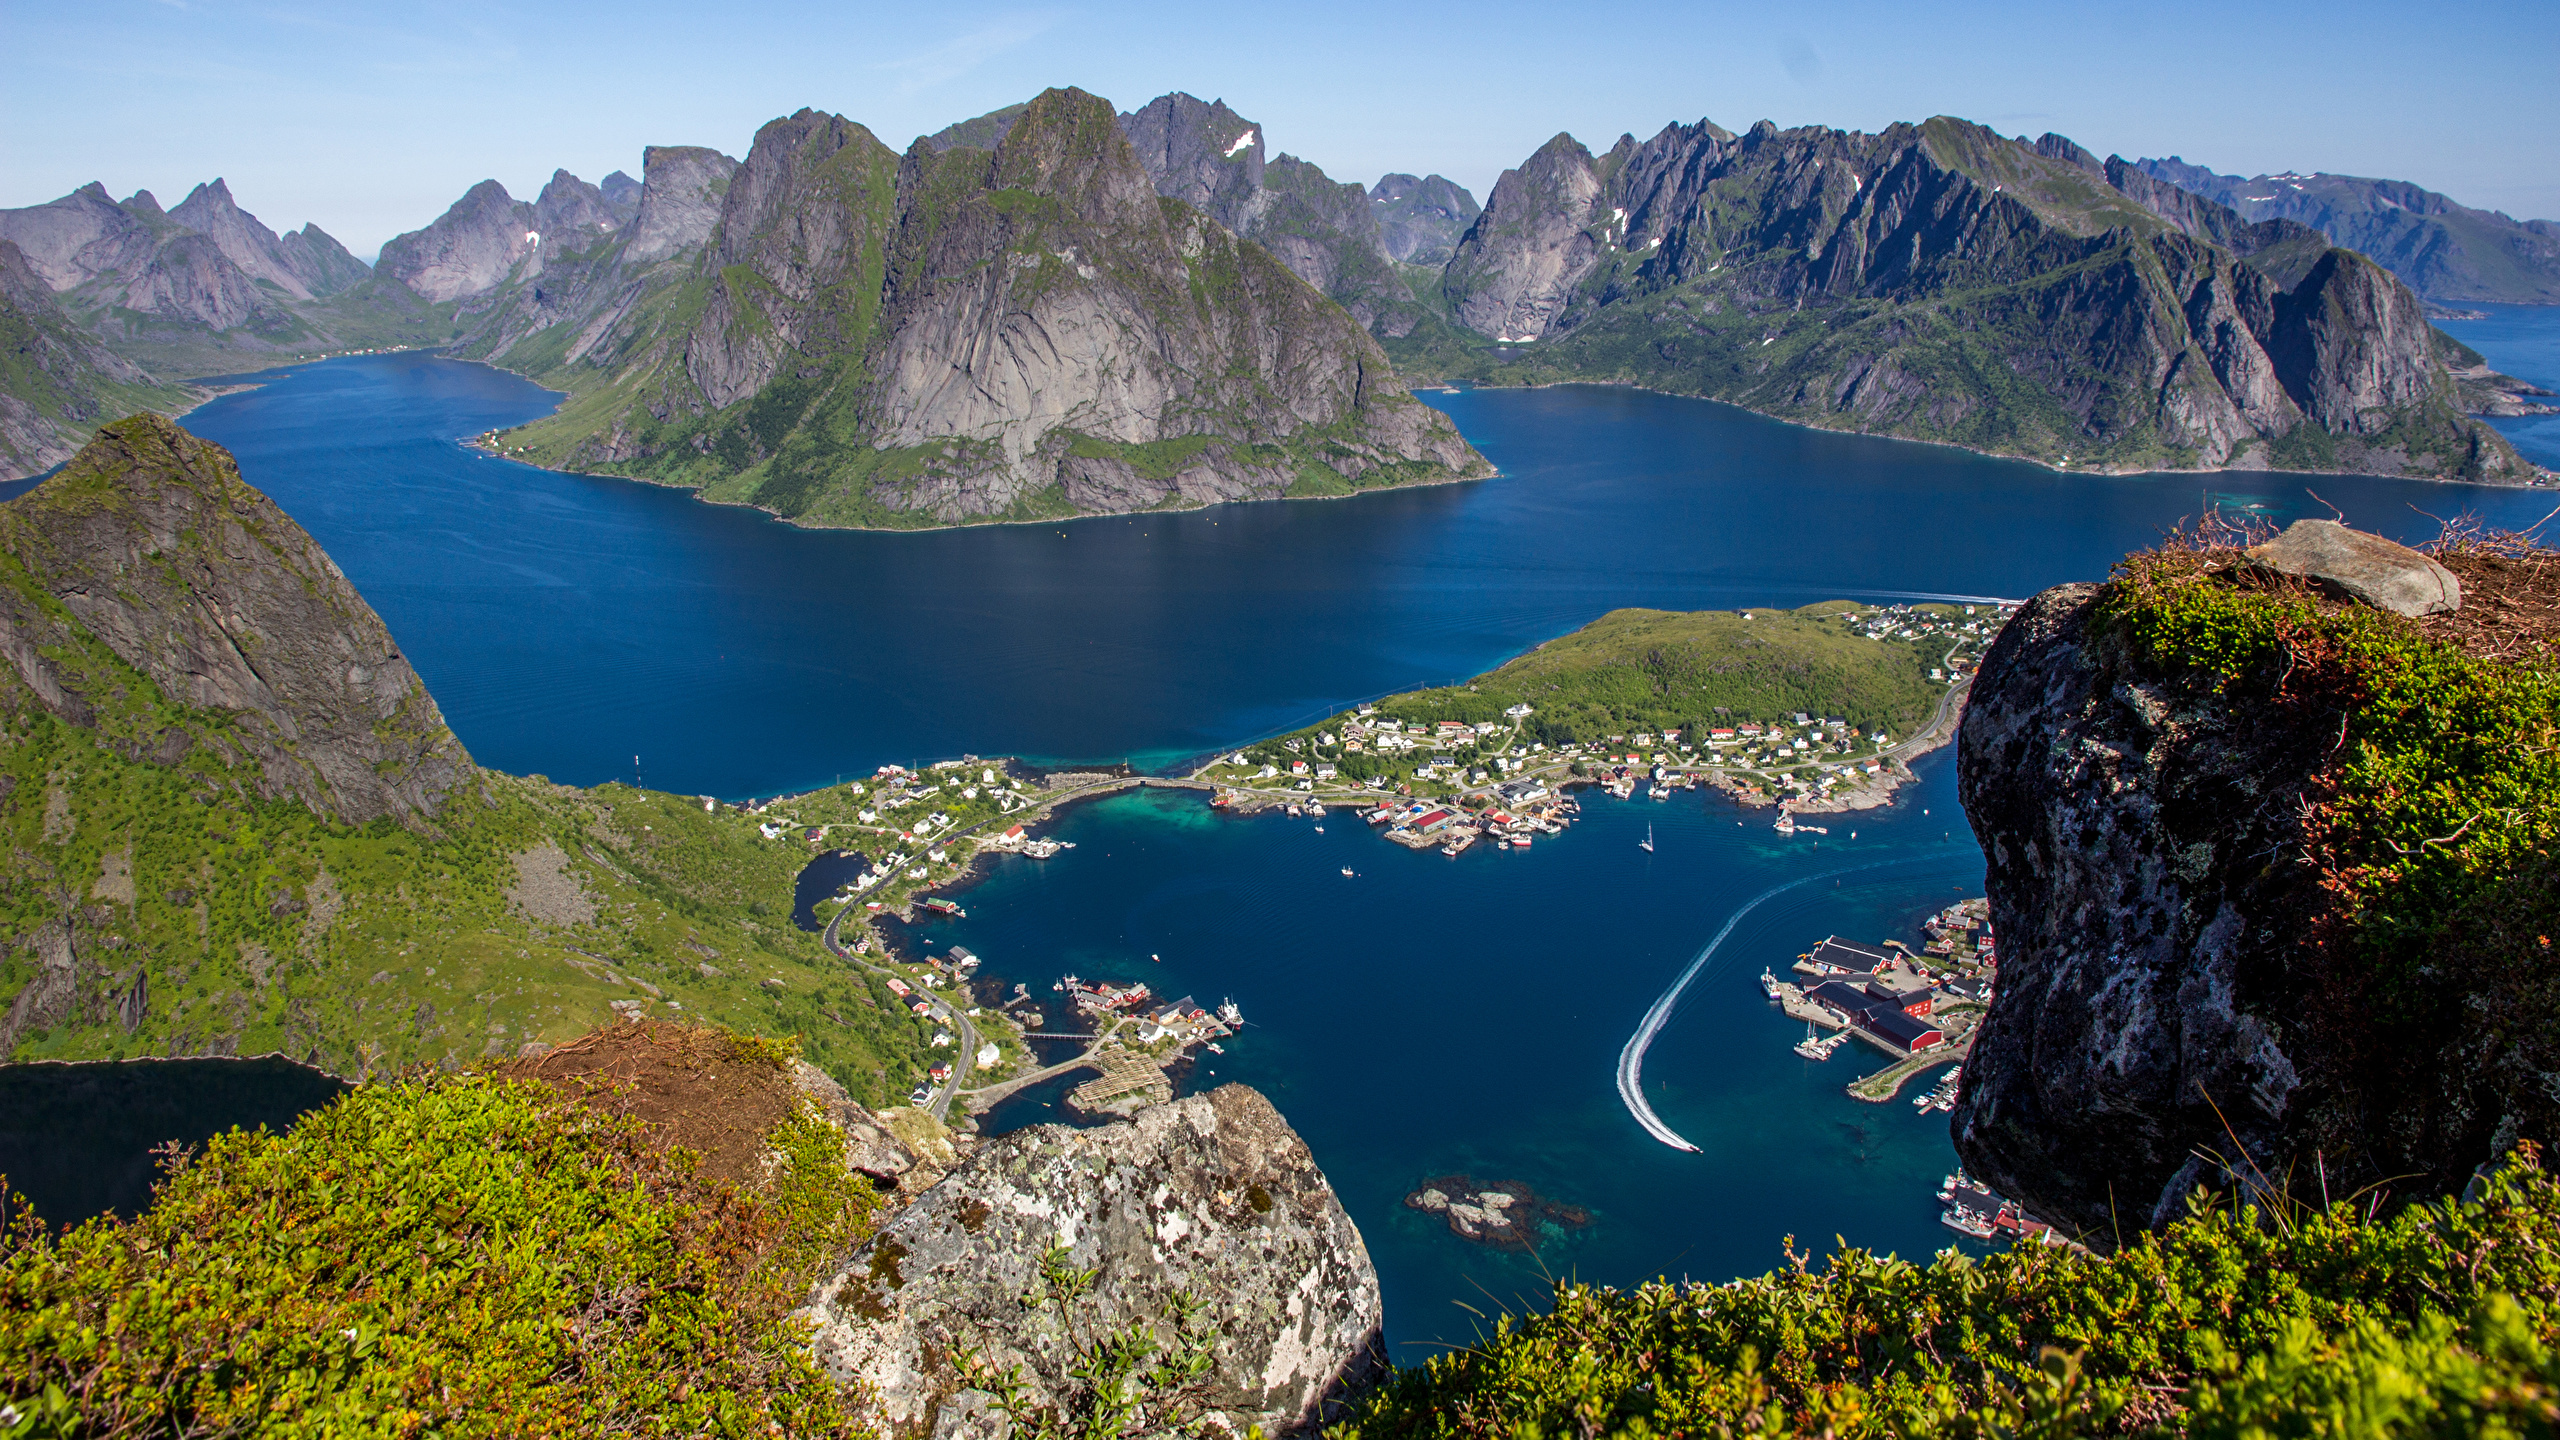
(1769, 982)
(1965, 1220)
(1346, 872)
(1215, 1048)
(1812, 1046)
(1319, 829)
(1647, 842)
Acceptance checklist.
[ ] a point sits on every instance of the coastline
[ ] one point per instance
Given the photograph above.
(2548, 475)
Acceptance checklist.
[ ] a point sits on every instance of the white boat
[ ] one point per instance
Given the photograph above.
(1293, 812)
(1319, 829)
(1316, 809)
(1812, 1046)
(1647, 842)
(1216, 1049)
(1769, 982)
(1346, 872)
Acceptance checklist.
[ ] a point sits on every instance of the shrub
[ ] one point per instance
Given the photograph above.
(457, 1256)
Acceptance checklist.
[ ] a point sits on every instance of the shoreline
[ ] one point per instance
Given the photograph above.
(2048, 466)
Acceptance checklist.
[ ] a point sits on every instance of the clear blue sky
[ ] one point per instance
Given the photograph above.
(370, 119)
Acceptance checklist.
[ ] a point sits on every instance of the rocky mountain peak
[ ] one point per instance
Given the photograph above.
(1203, 154)
(1421, 219)
(622, 194)
(572, 212)
(149, 547)
(680, 198)
(473, 247)
(1068, 144)
(210, 211)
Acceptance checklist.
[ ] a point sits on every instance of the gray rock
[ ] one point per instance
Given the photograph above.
(1420, 220)
(679, 201)
(1213, 1195)
(1516, 269)
(475, 246)
(2379, 572)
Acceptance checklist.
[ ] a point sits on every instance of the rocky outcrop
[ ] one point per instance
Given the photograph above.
(679, 200)
(150, 547)
(475, 245)
(1048, 1240)
(2443, 250)
(2228, 956)
(131, 256)
(1870, 282)
(1421, 220)
(963, 333)
(2129, 829)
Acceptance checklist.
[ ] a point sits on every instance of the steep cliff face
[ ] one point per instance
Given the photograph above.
(150, 546)
(678, 201)
(2441, 249)
(1421, 220)
(1943, 282)
(965, 333)
(1211, 158)
(2269, 873)
(1211, 1202)
(56, 381)
(131, 257)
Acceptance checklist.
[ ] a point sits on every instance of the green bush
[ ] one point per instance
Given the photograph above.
(453, 1256)
(2437, 1320)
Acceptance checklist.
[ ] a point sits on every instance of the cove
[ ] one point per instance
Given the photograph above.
(1429, 1016)
(567, 623)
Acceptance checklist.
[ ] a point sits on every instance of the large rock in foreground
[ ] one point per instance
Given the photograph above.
(1214, 1195)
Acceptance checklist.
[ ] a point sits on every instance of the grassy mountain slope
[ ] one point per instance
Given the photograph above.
(166, 892)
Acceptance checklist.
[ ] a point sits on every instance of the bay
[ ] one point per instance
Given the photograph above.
(1425, 1016)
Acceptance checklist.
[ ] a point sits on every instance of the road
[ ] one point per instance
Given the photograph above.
(943, 1010)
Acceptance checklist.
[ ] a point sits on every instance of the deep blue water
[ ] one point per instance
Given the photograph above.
(1428, 1016)
(567, 624)
(1436, 1015)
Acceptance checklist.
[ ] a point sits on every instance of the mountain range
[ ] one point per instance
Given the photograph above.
(2445, 251)
(798, 330)
(1940, 281)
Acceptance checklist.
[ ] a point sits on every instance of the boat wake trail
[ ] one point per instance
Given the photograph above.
(1631, 1059)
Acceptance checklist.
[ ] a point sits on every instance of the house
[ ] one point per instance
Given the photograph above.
(1326, 772)
(1297, 767)
(1840, 955)
(1435, 820)
(1013, 835)
(1518, 712)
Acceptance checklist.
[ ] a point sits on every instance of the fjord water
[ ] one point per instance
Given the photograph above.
(568, 623)
(1427, 1016)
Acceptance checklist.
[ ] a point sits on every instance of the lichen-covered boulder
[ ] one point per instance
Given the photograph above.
(1048, 1241)
(2350, 563)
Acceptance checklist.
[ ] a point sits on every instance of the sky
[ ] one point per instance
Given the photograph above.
(369, 119)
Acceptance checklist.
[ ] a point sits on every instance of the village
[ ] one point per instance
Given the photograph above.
(1505, 780)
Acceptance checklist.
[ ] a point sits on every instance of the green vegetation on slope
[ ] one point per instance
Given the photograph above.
(2439, 1320)
(461, 1256)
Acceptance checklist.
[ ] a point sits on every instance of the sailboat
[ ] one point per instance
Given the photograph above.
(1812, 1046)
(1647, 842)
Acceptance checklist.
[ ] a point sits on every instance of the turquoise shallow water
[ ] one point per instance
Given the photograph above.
(1428, 1016)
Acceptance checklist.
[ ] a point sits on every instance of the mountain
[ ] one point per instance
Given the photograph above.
(239, 822)
(1211, 158)
(2444, 251)
(56, 381)
(307, 264)
(621, 195)
(488, 237)
(205, 288)
(1420, 221)
(1942, 282)
(963, 334)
